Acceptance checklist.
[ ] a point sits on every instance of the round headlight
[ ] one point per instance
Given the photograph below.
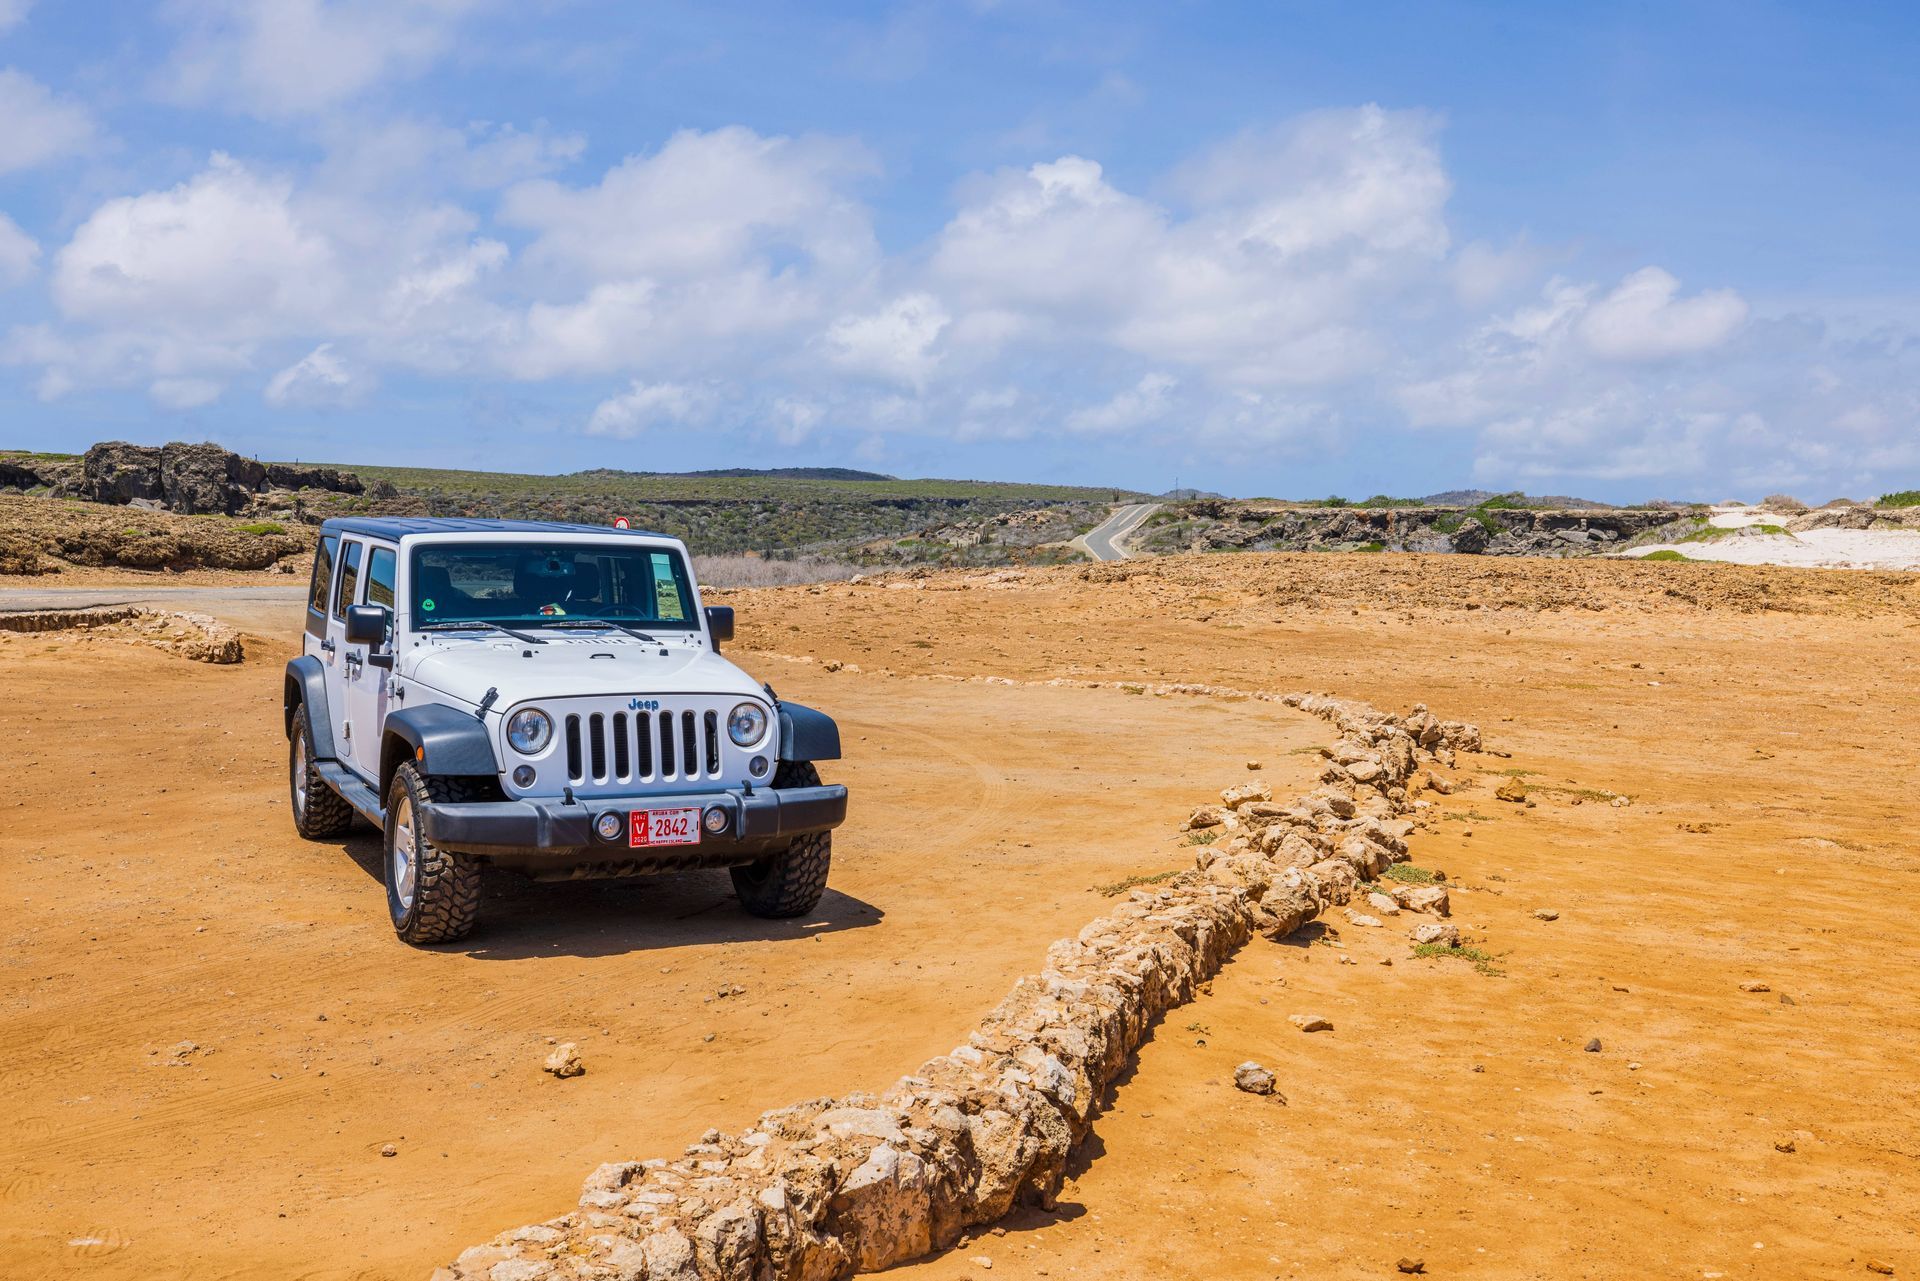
(529, 730)
(746, 724)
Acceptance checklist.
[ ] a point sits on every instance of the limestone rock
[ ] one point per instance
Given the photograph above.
(1429, 898)
(1257, 789)
(1444, 933)
(1545, 914)
(1311, 1022)
(565, 1061)
(1253, 1079)
(1204, 816)
(1382, 904)
(1511, 790)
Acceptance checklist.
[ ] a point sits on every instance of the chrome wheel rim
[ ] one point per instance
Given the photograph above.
(403, 852)
(300, 774)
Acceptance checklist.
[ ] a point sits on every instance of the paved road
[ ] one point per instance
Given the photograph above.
(1106, 541)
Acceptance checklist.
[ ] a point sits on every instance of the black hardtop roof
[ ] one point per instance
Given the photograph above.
(399, 527)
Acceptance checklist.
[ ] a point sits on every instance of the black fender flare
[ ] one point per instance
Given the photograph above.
(807, 735)
(442, 740)
(307, 684)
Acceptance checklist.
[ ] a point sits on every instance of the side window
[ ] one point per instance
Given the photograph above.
(322, 574)
(667, 605)
(380, 577)
(349, 580)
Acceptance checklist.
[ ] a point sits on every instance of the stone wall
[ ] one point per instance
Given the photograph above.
(834, 1186)
(195, 636)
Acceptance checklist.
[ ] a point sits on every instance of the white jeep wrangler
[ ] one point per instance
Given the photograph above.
(549, 698)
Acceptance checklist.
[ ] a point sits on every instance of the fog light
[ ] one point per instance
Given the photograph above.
(757, 767)
(609, 826)
(523, 776)
(715, 821)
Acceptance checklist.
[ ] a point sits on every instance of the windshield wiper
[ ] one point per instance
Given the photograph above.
(457, 625)
(635, 632)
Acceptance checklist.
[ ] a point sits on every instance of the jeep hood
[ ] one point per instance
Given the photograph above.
(568, 667)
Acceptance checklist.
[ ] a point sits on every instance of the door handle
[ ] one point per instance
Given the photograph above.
(326, 646)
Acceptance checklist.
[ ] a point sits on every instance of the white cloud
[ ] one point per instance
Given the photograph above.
(648, 405)
(1643, 319)
(318, 379)
(1292, 240)
(38, 125)
(12, 13)
(895, 342)
(223, 252)
(289, 57)
(704, 204)
(19, 253)
(794, 419)
(185, 393)
(718, 248)
(1140, 405)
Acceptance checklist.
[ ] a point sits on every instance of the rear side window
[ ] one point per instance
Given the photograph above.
(380, 577)
(349, 580)
(322, 574)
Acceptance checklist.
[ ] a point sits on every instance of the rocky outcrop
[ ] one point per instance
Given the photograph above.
(39, 536)
(1494, 531)
(834, 1186)
(194, 479)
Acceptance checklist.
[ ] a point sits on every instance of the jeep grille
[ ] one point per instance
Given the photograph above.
(643, 747)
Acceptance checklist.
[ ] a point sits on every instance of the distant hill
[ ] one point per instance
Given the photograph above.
(737, 473)
(1474, 497)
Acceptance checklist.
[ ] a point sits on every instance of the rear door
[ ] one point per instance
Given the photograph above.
(346, 591)
(366, 685)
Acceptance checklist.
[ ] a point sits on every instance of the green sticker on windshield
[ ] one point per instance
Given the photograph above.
(427, 605)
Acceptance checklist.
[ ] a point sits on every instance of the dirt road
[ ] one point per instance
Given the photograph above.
(1758, 719)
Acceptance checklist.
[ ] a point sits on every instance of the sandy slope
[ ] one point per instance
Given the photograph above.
(1809, 549)
(1758, 717)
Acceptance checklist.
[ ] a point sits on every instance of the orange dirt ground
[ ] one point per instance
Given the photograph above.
(1760, 720)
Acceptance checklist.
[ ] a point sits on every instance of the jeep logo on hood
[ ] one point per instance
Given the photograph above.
(643, 704)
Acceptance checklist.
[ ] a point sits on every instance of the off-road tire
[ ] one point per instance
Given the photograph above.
(446, 888)
(789, 883)
(324, 814)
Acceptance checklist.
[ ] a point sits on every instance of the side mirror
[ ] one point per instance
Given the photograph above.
(367, 624)
(720, 623)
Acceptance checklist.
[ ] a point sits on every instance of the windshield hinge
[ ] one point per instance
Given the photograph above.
(491, 697)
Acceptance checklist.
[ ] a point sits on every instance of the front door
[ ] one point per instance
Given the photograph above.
(342, 667)
(366, 684)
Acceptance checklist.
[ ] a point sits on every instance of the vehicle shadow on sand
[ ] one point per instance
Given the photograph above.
(520, 918)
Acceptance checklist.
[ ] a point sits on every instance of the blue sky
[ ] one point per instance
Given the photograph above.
(1622, 251)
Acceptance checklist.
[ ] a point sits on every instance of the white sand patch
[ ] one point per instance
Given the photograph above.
(1741, 517)
(1815, 548)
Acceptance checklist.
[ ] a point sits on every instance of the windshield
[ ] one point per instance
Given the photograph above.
(543, 583)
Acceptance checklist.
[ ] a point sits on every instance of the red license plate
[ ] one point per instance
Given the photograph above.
(665, 827)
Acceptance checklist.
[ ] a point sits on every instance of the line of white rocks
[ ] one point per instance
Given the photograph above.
(835, 1186)
(196, 636)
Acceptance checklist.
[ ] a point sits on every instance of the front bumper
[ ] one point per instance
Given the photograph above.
(758, 823)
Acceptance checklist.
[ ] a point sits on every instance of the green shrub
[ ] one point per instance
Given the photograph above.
(1902, 498)
(1665, 553)
(261, 527)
